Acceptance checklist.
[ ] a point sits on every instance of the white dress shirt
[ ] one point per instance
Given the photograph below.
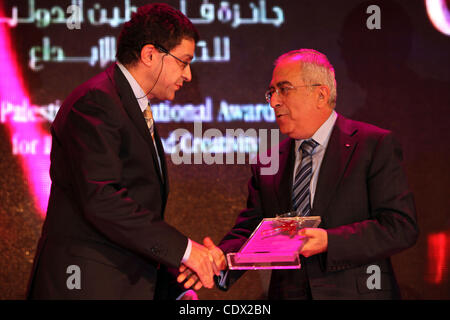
(321, 136)
(143, 102)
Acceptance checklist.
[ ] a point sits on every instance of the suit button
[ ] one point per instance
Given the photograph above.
(155, 251)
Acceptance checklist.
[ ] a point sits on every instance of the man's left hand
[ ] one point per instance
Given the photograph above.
(317, 241)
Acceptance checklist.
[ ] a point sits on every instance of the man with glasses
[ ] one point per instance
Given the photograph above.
(347, 172)
(104, 236)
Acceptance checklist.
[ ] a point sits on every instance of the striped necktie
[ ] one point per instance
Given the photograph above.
(148, 115)
(301, 193)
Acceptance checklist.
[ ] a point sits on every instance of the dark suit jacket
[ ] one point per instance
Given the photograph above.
(107, 200)
(363, 200)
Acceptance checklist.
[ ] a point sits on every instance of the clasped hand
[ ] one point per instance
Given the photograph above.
(203, 263)
(208, 260)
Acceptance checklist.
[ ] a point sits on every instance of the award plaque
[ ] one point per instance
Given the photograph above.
(275, 244)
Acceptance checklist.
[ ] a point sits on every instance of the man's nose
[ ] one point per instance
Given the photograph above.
(187, 74)
(275, 101)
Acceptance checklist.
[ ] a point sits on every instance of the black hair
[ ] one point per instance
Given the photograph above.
(156, 23)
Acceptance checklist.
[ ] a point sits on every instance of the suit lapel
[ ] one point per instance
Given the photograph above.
(162, 157)
(283, 178)
(133, 110)
(341, 145)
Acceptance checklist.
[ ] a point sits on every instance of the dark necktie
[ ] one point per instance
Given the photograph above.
(301, 190)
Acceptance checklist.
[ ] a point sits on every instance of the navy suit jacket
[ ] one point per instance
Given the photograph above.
(364, 203)
(107, 200)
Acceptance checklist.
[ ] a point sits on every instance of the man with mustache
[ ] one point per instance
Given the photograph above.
(347, 172)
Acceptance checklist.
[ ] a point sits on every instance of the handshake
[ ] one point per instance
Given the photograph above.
(208, 260)
(203, 263)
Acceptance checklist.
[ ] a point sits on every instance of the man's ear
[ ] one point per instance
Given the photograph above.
(147, 54)
(323, 95)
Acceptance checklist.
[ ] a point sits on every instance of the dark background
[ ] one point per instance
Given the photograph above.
(396, 78)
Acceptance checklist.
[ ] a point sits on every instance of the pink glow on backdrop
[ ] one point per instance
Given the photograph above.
(438, 256)
(439, 14)
(27, 137)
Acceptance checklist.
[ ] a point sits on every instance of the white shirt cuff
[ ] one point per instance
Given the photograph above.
(187, 253)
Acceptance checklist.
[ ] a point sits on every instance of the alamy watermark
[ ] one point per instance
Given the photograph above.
(212, 147)
(374, 20)
(374, 280)
(74, 279)
(74, 20)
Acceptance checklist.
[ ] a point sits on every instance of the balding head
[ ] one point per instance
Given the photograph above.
(315, 68)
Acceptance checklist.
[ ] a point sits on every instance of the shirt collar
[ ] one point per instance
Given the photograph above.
(322, 135)
(137, 90)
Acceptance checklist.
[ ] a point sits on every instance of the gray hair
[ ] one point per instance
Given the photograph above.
(315, 69)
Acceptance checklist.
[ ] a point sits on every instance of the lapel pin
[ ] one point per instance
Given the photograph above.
(347, 145)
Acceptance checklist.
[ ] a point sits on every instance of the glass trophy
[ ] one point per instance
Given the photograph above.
(275, 244)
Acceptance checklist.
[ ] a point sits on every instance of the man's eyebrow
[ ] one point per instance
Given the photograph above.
(188, 57)
(281, 83)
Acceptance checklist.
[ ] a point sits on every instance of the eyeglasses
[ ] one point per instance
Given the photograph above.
(284, 90)
(164, 50)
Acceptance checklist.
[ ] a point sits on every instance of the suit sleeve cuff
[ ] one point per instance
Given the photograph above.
(222, 280)
(182, 294)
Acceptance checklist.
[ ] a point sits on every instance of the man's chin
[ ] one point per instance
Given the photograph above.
(283, 128)
(168, 97)
(164, 95)
(290, 132)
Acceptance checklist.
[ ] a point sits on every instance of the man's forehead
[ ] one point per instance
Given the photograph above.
(291, 63)
(187, 46)
(286, 71)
